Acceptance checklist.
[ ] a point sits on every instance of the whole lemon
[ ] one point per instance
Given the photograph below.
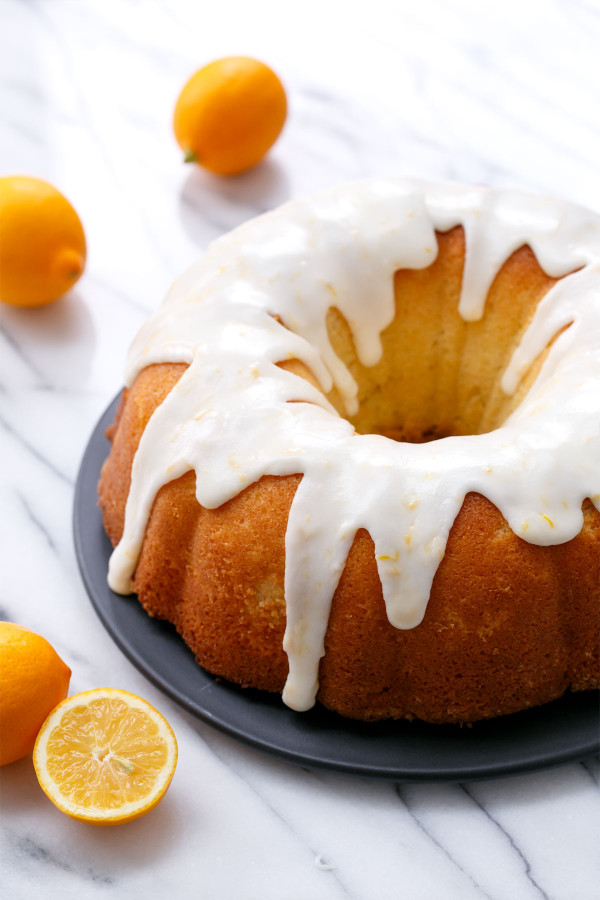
(42, 243)
(229, 114)
(33, 680)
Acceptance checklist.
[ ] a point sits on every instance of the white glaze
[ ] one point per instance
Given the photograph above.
(229, 418)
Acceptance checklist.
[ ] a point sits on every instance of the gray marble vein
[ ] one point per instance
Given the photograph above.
(37, 524)
(512, 843)
(440, 846)
(34, 451)
(25, 358)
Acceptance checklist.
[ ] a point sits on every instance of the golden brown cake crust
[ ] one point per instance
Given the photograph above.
(509, 624)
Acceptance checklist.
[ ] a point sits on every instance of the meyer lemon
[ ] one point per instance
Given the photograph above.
(229, 114)
(33, 679)
(42, 244)
(105, 756)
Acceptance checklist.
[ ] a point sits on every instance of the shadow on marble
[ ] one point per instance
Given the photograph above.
(56, 342)
(560, 783)
(20, 792)
(137, 844)
(511, 791)
(210, 204)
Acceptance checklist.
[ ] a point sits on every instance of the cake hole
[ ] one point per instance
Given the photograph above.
(440, 376)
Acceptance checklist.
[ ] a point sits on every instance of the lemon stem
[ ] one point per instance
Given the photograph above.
(189, 156)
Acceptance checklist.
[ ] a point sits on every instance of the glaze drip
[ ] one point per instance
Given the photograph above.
(261, 295)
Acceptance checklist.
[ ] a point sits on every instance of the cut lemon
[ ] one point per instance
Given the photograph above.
(105, 756)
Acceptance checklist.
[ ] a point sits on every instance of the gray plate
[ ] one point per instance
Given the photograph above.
(561, 732)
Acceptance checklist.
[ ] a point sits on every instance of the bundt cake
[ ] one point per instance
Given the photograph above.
(358, 455)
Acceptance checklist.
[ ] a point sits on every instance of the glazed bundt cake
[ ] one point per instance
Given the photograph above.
(358, 455)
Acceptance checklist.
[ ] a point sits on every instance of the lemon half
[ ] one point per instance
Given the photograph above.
(105, 756)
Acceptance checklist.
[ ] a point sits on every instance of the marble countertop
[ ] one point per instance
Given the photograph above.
(505, 94)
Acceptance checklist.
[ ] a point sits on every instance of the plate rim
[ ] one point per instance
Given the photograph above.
(89, 470)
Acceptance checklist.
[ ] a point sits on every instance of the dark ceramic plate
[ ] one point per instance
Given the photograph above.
(560, 732)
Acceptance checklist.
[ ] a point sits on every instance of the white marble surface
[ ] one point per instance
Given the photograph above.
(507, 94)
